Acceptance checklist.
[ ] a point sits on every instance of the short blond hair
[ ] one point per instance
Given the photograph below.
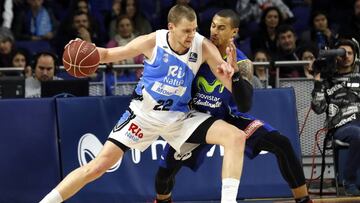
(179, 12)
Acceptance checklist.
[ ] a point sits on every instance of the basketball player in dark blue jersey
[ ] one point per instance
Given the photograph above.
(210, 96)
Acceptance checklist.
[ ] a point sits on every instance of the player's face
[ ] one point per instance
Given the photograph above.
(184, 32)
(221, 31)
(45, 68)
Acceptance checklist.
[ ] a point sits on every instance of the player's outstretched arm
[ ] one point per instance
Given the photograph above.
(221, 69)
(143, 44)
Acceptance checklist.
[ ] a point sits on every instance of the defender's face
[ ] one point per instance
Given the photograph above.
(221, 30)
(184, 32)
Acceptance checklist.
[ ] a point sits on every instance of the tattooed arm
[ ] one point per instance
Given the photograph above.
(246, 70)
(241, 86)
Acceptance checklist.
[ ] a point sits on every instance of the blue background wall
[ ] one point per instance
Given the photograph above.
(32, 163)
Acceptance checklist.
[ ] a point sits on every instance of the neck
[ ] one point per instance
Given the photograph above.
(261, 74)
(347, 69)
(175, 46)
(222, 49)
(35, 10)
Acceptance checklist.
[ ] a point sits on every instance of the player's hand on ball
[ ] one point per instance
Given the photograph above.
(80, 58)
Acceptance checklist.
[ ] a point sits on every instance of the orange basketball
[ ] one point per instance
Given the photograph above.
(80, 58)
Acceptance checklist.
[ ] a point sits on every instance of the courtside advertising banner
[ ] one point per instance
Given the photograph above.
(29, 154)
(85, 123)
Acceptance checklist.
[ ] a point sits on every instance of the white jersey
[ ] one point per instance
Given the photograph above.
(164, 93)
(167, 78)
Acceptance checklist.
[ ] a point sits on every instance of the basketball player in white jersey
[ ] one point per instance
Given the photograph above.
(160, 105)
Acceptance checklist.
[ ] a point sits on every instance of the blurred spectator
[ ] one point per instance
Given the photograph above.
(96, 19)
(337, 11)
(125, 33)
(351, 29)
(249, 10)
(260, 71)
(308, 52)
(44, 66)
(265, 37)
(35, 22)
(319, 32)
(6, 13)
(20, 60)
(7, 47)
(141, 24)
(80, 27)
(110, 18)
(286, 41)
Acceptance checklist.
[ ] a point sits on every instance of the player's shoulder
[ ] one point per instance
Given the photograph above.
(240, 55)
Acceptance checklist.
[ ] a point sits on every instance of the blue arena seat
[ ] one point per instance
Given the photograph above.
(244, 46)
(34, 46)
(302, 15)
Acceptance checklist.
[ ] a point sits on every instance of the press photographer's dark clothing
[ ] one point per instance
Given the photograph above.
(350, 133)
(340, 99)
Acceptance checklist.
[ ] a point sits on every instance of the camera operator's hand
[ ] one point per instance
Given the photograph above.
(317, 76)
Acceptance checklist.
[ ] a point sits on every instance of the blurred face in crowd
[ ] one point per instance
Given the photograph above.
(183, 1)
(45, 68)
(35, 4)
(83, 6)
(357, 8)
(221, 31)
(348, 59)
(19, 60)
(130, 8)
(272, 19)
(125, 28)
(260, 57)
(5, 47)
(320, 22)
(287, 41)
(116, 7)
(308, 56)
(81, 20)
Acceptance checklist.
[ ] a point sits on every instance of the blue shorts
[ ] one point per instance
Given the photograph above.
(253, 128)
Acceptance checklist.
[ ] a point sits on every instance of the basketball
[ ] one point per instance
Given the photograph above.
(80, 58)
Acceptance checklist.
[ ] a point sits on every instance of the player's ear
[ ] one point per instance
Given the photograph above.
(171, 26)
(235, 31)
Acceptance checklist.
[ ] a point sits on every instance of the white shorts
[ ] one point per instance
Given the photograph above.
(138, 129)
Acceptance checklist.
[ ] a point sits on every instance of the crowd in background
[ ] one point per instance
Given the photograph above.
(270, 29)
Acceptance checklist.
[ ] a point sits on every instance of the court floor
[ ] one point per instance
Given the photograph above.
(316, 200)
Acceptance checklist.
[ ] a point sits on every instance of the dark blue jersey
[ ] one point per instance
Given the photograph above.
(210, 96)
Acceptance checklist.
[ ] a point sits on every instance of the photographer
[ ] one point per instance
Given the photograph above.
(338, 95)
